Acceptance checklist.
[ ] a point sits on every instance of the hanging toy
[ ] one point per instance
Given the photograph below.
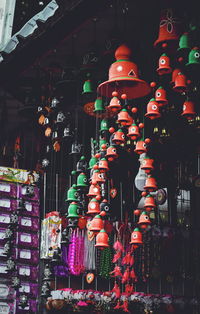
(126, 275)
(188, 110)
(116, 272)
(174, 75)
(169, 30)
(194, 57)
(97, 224)
(123, 75)
(72, 210)
(117, 291)
(81, 181)
(98, 177)
(152, 110)
(119, 137)
(92, 162)
(81, 165)
(94, 190)
(104, 206)
(111, 153)
(150, 184)
(98, 106)
(180, 85)
(87, 87)
(149, 203)
(164, 65)
(136, 237)
(184, 43)
(89, 278)
(133, 132)
(114, 105)
(104, 126)
(123, 117)
(144, 220)
(140, 147)
(160, 96)
(103, 165)
(93, 207)
(102, 239)
(147, 165)
(72, 194)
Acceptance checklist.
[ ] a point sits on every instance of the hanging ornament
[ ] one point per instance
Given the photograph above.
(169, 30)
(150, 184)
(82, 181)
(147, 165)
(188, 110)
(111, 153)
(72, 194)
(144, 220)
(194, 57)
(88, 87)
(103, 165)
(94, 190)
(72, 210)
(136, 237)
(98, 105)
(93, 207)
(90, 278)
(149, 203)
(174, 75)
(102, 239)
(184, 43)
(96, 224)
(140, 147)
(180, 84)
(81, 165)
(123, 117)
(114, 105)
(160, 96)
(123, 76)
(133, 131)
(153, 110)
(164, 65)
(119, 137)
(105, 206)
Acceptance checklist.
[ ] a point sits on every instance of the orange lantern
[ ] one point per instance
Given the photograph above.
(96, 224)
(119, 137)
(133, 131)
(114, 104)
(160, 96)
(94, 190)
(103, 165)
(102, 239)
(144, 220)
(147, 164)
(123, 117)
(180, 83)
(123, 76)
(136, 237)
(140, 147)
(174, 75)
(93, 207)
(152, 110)
(111, 153)
(188, 110)
(150, 184)
(98, 177)
(149, 203)
(164, 65)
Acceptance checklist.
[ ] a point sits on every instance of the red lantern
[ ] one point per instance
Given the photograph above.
(144, 220)
(169, 30)
(98, 177)
(188, 110)
(174, 75)
(114, 105)
(103, 165)
(160, 96)
(147, 165)
(96, 224)
(136, 237)
(180, 83)
(93, 207)
(111, 153)
(94, 190)
(123, 75)
(149, 203)
(150, 184)
(102, 239)
(140, 147)
(152, 110)
(119, 137)
(133, 131)
(123, 117)
(164, 65)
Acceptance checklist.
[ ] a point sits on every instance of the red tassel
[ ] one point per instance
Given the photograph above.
(117, 291)
(118, 246)
(131, 261)
(116, 271)
(124, 306)
(117, 256)
(133, 275)
(129, 289)
(117, 306)
(125, 276)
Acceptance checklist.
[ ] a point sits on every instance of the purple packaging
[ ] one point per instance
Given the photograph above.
(27, 239)
(3, 270)
(6, 291)
(8, 204)
(28, 256)
(30, 208)
(28, 223)
(30, 308)
(8, 189)
(29, 288)
(4, 219)
(8, 307)
(27, 271)
(28, 192)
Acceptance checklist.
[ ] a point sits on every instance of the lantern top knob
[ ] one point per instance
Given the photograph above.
(123, 52)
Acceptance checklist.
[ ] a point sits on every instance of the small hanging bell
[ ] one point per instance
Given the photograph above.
(149, 202)
(114, 104)
(105, 206)
(152, 110)
(72, 210)
(133, 131)
(111, 153)
(104, 126)
(164, 65)
(144, 220)
(94, 190)
(92, 162)
(160, 96)
(98, 105)
(82, 181)
(102, 239)
(194, 58)
(150, 184)
(103, 165)
(96, 224)
(87, 87)
(180, 83)
(136, 237)
(123, 117)
(188, 110)
(147, 164)
(140, 147)
(119, 137)
(93, 207)
(54, 103)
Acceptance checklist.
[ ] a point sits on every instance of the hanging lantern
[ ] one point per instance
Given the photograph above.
(136, 237)
(123, 117)
(184, 42)
(81, 165)
(103, 165)
(98, 177)
(81, 181)
(96, 224)
(123, 76)
(133, 131)
(87, 87)
(93, 207)
(98, 105)
(174, 75)
(144, 220)
(102, 239)
(114, 104)
(149, 203)
(119, 137)
(140, 147)
(72, 194)
(104, 126)
(150, 184)
(92, 162)
(160, 96)
(102, 141)
(72, 210)
(164, 65)
(180, 83)
(194, 57)
(152, 110)
(169, 30)
(94, 190)
(147, 164)
(188, 110)
(111, 153)
(104, 206)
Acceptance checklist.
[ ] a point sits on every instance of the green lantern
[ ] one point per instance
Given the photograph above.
(87, 87)
(72, 210)
(104, 125)
(98, 105)
(102, 141)
(194, 57)
(92, 162)
(184, 42)
(72, 194)
(82, 180)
